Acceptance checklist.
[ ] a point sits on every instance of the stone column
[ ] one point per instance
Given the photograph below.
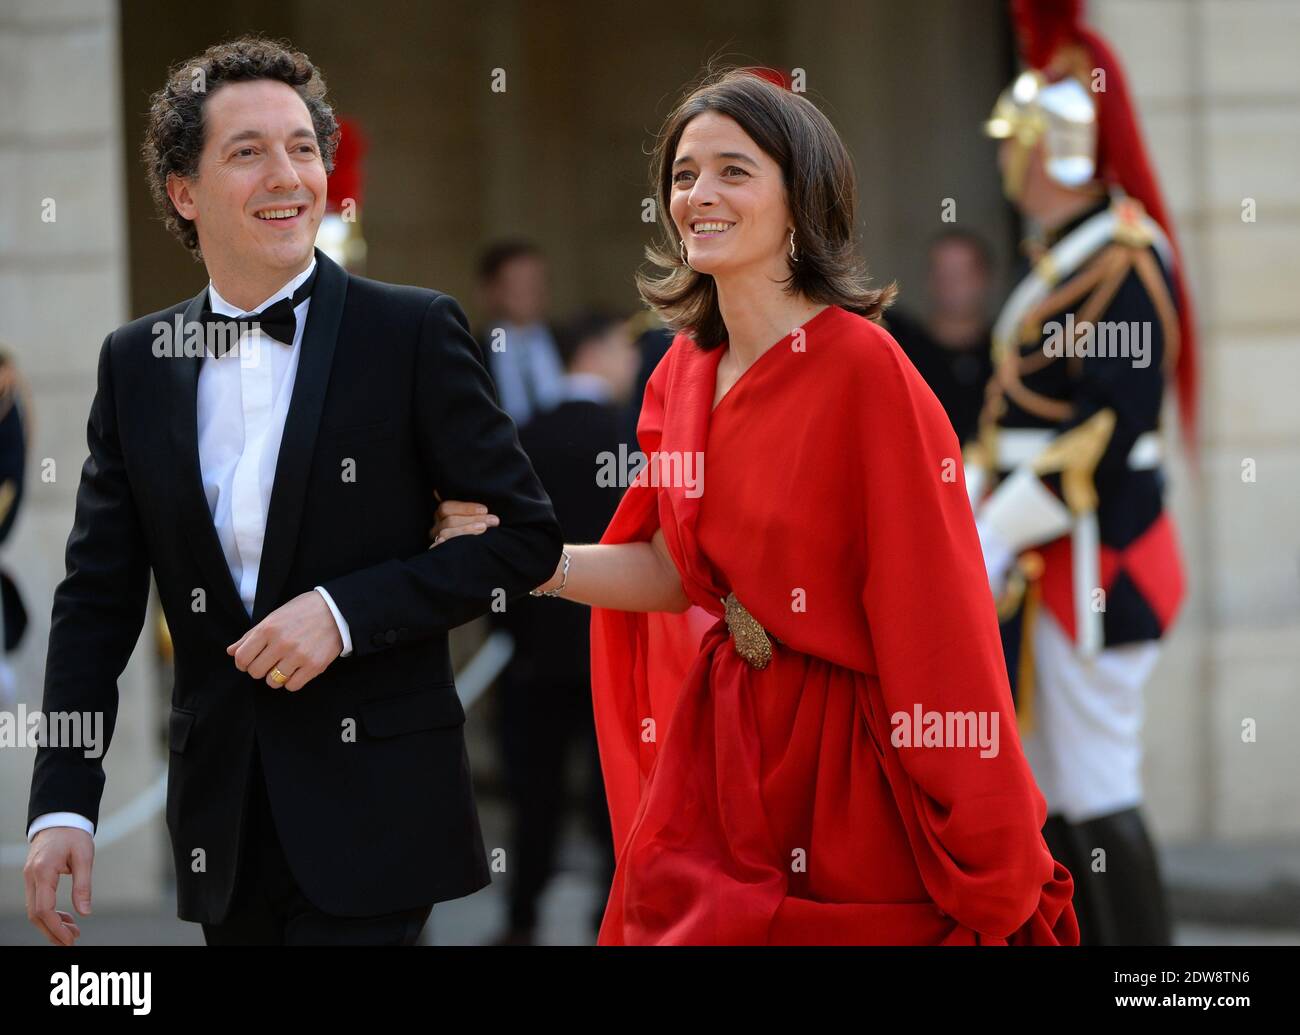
(63, 287)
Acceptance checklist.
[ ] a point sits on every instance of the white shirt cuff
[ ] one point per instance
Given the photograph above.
(339, 620)
(60, 819)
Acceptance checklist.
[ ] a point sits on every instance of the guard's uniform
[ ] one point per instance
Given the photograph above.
(1083, 349)
(1066, 477)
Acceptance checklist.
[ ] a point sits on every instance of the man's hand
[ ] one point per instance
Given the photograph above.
(458, 518)
(300, 639)
(55, 851)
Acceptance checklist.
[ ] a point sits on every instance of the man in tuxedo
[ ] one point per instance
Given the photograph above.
(282, 494)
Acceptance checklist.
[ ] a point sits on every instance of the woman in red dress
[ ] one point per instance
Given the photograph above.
(831, 757)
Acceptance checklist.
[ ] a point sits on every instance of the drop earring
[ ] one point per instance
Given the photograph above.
(681, 250)
(793, 257)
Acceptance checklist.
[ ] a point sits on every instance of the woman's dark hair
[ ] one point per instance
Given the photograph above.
(820, 191)
(173, 139)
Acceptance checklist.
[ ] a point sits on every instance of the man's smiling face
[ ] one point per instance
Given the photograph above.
(259, 194)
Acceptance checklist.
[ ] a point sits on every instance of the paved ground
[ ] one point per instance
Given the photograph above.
(1255, 884)
(474, 920)
(1222, 895)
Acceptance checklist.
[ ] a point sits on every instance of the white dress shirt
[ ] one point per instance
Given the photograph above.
(243, 399)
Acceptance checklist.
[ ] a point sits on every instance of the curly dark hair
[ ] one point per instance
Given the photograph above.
(173, 140)
(820, 190)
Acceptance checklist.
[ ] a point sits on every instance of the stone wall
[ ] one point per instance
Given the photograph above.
(1218, 86)
(63, 287)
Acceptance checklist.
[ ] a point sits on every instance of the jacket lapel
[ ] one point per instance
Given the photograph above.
(195, 518)
(298, 443)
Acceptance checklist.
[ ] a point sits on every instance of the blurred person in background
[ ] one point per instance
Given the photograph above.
(517, 341)
(545, 717)
(950, 344)
(14, 435)
(653, 340)
(1067, 475)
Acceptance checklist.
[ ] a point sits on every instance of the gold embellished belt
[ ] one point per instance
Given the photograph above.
(749, 637)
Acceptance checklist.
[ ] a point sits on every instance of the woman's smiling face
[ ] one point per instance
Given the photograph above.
(728, 200)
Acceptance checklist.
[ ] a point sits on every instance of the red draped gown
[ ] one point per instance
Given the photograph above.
(785, 805)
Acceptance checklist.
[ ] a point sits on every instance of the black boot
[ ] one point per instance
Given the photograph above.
(1132, 893)
(1064, 842)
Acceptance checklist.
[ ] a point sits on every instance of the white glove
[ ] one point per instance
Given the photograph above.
(998, 557)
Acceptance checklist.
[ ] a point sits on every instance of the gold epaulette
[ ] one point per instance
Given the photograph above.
(1129, 228)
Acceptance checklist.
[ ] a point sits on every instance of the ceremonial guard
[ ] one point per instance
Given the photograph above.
(1067, 474)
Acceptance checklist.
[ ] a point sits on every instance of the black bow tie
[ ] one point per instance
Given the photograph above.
(277, 320)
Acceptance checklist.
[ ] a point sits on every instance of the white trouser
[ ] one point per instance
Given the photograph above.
(1086, 745)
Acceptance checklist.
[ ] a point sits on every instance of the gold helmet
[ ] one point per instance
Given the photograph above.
(1075, 99)
(1061, 114)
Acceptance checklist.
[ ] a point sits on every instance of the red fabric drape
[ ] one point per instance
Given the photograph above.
(779, 805)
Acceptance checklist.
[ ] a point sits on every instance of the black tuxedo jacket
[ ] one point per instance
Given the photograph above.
(365, 766)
